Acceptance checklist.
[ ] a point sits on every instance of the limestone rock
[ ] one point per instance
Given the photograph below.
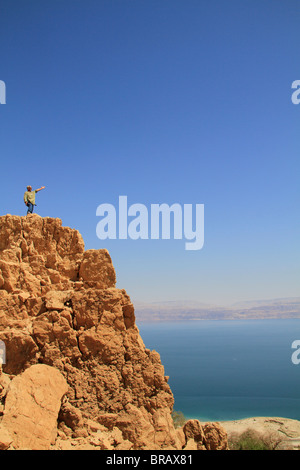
(60, 310)
(71, 416)
(5, 438)
(193, 430)
(32, 405)
(215, 436)
(96, 269)
(208, 436)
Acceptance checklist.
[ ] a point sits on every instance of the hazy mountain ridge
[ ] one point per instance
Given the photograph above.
(281, 308)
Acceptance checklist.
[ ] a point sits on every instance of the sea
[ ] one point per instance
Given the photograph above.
(231, 369)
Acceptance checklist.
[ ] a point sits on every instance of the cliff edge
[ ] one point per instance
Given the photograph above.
(77, 373)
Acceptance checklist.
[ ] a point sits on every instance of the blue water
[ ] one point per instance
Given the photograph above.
(226, 370)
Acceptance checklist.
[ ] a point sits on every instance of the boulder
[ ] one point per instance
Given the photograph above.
(32, 405)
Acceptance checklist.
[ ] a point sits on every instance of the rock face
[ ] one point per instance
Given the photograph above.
(64, 323)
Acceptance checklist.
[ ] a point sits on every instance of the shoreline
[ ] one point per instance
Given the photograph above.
(288, 428)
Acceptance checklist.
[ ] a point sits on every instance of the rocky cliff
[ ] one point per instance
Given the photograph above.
(77, 373)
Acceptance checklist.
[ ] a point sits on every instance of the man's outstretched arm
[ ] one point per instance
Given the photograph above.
(37, 190)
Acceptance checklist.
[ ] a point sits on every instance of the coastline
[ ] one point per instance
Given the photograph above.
(288, 429)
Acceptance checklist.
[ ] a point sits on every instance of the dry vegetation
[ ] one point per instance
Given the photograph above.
(251, 439)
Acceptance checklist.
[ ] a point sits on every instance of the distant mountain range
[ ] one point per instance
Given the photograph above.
(282, 308)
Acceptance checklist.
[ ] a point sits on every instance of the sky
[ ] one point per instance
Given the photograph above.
(162, 101)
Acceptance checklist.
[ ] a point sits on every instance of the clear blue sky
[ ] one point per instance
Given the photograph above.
(163, 101)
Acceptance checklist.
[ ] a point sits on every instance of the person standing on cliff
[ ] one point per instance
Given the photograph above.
(29, 198)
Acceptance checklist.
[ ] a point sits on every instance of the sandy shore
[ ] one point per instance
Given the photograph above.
(289, 429)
